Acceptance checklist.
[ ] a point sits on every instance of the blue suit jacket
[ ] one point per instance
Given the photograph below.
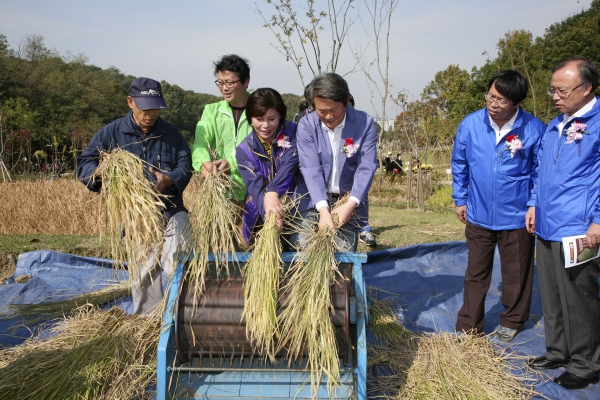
(316, 159)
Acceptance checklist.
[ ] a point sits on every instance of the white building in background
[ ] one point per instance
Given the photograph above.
(386, 125)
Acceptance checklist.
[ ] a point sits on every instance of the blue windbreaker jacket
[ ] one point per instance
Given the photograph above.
(568, 180)
(163, 147)
(496, 187)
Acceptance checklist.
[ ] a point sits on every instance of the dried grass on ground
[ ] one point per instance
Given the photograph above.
(61, 206)
(93, 355)
(442, 365)
(55, 207)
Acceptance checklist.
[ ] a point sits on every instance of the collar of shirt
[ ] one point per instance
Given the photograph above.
(582, 111)
(506, 128)
(337, 128)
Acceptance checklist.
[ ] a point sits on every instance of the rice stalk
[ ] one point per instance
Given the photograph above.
(383, 322)
(305, 324)
(261, 289)
(135, 219)
(48, 310)
(447, 366)
(93, 354)
(214, 225)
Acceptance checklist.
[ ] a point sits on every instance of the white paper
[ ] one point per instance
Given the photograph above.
(576, 253)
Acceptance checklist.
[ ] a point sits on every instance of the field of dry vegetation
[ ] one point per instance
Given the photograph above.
(63, 215)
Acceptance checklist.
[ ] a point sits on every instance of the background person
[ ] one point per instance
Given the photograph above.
(161, 145)
(224, 125)
(492, 187)
(267, 160)
(337, 149)
(568, 204)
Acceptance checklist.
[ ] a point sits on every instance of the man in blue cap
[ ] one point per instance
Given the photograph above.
(167, 160)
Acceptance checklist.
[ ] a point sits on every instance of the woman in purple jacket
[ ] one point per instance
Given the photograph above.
(267, 159)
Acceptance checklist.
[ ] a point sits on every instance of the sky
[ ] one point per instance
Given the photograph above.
(179, 40)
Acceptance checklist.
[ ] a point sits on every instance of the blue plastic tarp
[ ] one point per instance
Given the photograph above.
(427, 280)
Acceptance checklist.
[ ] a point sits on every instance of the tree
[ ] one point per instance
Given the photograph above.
(300, 38)
(376, 24)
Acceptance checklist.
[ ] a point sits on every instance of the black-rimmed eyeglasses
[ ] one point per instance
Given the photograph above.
(228, 84)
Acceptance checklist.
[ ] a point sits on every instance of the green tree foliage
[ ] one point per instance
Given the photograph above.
(52, 104)
(454, 93)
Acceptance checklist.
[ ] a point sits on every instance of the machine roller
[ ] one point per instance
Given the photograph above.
(203, 352)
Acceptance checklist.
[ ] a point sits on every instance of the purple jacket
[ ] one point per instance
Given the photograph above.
(262, 174)
(316, 161)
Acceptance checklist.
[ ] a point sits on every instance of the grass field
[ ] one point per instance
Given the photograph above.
(394, 227)
(62, 215)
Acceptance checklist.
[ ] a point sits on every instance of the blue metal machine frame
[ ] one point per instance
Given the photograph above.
(251, 384)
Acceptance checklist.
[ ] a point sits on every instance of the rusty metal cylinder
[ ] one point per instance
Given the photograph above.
(212, 324)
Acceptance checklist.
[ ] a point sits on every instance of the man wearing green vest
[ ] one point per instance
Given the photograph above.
(223, 124)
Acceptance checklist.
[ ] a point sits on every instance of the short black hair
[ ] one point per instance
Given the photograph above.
(328, 86)
(233, 63)
(351, 100)
(510, 84)
(261, 100)
(588, 73)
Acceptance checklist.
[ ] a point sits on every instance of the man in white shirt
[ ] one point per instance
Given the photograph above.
(567, 191)
(338, 154)
(493, 160)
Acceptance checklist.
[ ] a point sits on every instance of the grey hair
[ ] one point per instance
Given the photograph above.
(588, 73)
(328, 86)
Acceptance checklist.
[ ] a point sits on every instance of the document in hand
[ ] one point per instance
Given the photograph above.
(575, 251)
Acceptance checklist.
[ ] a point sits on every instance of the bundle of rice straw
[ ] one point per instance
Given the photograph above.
(214, 222)
(94, 354)
(48, 310)
(446, 366)
(261, 289)
(383, 322)
(305, 324)
(134, 209)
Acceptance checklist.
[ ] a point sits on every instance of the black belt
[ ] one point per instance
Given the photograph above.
(333, 197)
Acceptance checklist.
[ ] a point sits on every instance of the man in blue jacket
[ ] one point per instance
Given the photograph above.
(493, 160)
(168, 165)
(568, 204)
(337, 149)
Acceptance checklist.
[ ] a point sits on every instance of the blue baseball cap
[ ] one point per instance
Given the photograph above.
(147, 94)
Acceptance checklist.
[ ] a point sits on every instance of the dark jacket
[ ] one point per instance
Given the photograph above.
(262, 174)
(162, 148)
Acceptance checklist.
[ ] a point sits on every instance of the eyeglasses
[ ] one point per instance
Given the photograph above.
(562, 93)
(229, 84)
(491, 98)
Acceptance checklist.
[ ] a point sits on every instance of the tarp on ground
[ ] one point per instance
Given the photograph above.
(428, 280)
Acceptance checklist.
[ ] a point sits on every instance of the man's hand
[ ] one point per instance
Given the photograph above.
(592, 236)
(461, 213)
(530, 220)
(214, 167)
(162, 180)
(272, 204)
(344, 212)
(325, 219)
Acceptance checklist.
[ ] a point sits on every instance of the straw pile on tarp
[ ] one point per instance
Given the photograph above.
(49, 310)
(262, 274)
(441, 365)
(383, 322)
(135, 218)
(214, 226)
(94, 354)
(305, 323)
